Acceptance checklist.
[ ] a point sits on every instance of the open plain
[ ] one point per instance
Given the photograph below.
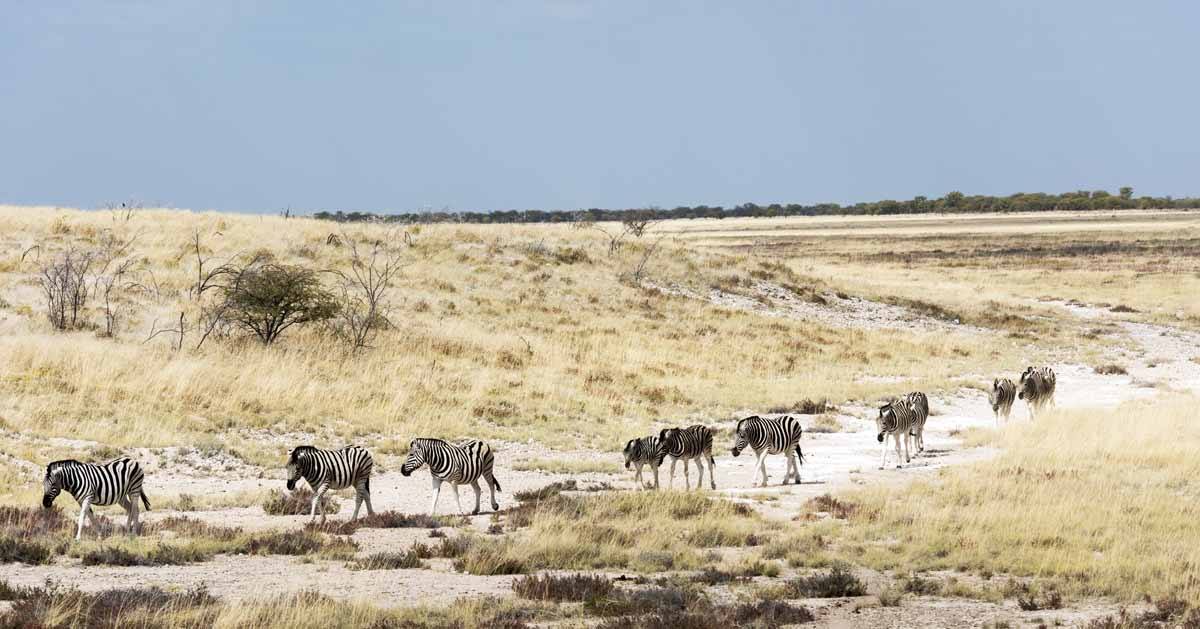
(559, 343)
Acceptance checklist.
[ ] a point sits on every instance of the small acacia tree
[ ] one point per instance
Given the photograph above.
(268, 299)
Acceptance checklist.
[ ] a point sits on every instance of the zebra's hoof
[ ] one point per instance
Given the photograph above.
(899, 467)
(475, 512)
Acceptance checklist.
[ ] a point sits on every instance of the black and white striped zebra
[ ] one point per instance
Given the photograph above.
(779, 435)
(642, 452)
(920, 406)
(1001, 396)
(460, 464)
(118, 481)
(1037, 388)
(693, 442)
(332, 469)
(896, 419)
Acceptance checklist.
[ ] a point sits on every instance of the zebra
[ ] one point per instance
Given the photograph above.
(693, 442)
(896, 418)
(460, 464)
(920, 406)
(1037, 388)
(332, 469)
(118, 481)
(641, 452)
(780, 435)
(1001, 397)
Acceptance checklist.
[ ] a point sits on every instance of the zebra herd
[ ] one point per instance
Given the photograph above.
(119, 481)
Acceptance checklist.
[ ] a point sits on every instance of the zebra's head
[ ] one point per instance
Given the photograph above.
(742, 440)
(416, 458)
(886, 422)
(1028, 384)
(52, 484)
(668, 443)
(629, 451)
(297, 465)
(994, 395)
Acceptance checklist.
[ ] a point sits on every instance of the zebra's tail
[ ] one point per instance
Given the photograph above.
(496, 483)
(145, 501)
(800, 454)
(711, 462)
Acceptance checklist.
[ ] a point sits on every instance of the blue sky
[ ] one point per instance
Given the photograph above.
(560, 104)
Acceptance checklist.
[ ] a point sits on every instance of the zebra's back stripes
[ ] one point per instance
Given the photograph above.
(332, 469)
(118, 481)
(461, 464)
(691, 443)
(779, 435)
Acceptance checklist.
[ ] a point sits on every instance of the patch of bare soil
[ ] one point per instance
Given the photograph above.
(772, 300)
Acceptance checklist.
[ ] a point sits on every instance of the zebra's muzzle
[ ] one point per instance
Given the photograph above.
(880, 438)
(405, 471)
(47, 500)
(291, 484)
(735, 452)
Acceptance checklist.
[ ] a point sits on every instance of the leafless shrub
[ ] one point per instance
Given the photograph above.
(362, 291)
(64, 283)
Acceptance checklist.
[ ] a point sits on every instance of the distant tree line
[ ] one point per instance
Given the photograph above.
(953, 202)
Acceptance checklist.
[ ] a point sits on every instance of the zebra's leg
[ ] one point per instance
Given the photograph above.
(899, 458)
(124, 502)
(700, 472)
(475, 486)
(712, 480)
(671, 484)
(134, 527)
(687, 478)
(655, 469)
(883, 459)
(316, 502)
(83, 512)
(791, 467)
(637, 477)
(437, 490)
(457, 500)
(762, 466)
(357, 503)
(490, 477)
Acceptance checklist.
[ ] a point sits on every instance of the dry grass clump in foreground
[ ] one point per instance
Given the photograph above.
(152, 608)
(1097, 502)
(637, 531)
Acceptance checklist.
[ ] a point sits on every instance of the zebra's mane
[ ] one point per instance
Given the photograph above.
(63, 463)
(296, 452)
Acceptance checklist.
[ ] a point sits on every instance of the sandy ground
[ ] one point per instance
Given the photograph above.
(1159, 359)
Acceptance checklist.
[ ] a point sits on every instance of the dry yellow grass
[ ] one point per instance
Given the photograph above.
(1098, 502)
(507, 332)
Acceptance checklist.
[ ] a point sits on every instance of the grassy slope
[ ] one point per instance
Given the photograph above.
(501, 332)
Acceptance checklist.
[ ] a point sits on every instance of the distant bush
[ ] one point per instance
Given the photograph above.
(1110, 370)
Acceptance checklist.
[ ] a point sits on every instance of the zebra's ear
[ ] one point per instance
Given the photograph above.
(662, 436)
(629, 445)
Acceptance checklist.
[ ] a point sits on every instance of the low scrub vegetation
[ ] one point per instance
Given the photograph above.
(574, 587)
(389, 561)
(383, 520)
(297, 502)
